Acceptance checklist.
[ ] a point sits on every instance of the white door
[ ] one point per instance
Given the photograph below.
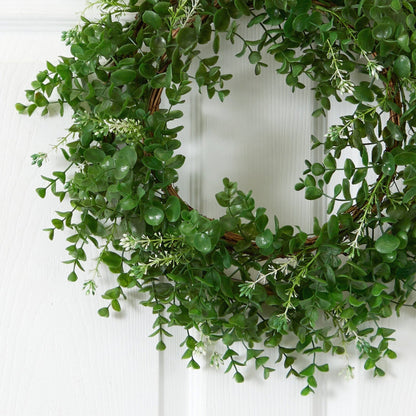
(57, 356)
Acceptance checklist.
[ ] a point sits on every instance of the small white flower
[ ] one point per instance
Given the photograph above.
(200, 348)
(345, 86)
(286, 264)
(347, 372)
(216, 360)
(128, 242)
(334, 132)
(373, 68)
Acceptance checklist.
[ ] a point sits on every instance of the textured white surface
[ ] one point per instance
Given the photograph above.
(57, 357)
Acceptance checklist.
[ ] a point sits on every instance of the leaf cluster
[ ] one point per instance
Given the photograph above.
(243, 281)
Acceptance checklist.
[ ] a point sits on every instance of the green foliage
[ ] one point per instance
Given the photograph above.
(277, 292)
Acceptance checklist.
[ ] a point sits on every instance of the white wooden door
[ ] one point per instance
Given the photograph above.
(57, 356)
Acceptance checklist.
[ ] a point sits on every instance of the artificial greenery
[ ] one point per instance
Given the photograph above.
(242, 279)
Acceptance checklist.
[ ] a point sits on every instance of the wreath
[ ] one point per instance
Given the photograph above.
(243, 280)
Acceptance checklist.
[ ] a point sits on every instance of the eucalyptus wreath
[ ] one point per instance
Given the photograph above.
(273, 291)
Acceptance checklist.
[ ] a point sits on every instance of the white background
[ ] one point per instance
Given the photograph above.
(57, 356)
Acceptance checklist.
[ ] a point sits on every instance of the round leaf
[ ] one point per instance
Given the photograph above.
(111, 259)
(405, 158)
(124, 161)
(387, 243)
(265, 239)
(202, 243)
(186, 37)
(173, 208)
(158, 45)
(152, 19)
(254, 57)
(154, 215)
(221, 20)
(402, 66)
(312, 192)
(123, 76)
(383, 31)
(363, 93)
(365, 39)
(162, 154)
(94, 155)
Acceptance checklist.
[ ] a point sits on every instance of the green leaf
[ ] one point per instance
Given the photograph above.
(312, 192)
(157, 45)
(176, 162)
(359, 175)
(238, 377)
(20, 107)
(402, 66)
(162, 8)
(265, 239)
(154, 216)
(365, 40)
(163, 154)
(221, 20)
(124, 161)
(202, 243)
(72, 277)
(222, 198)
(409, 195)
(349, 168)
(128, 203)
(41, 192)
(111, 259)
(306, 391)
(363, 93)
(116, 305)
(242, 6)
(391, 354)
(254, 57)
(405, 158)
(216, 44)
(318, 169)
(324, 368)
(152, 19)
(383, 31)
(173, 209)
(308, 371)
(330, 161)
(94, 155)
(123, 76)
(377, 289)
(57, 223)
(161, 346)
(346, 188)
(186, 37)
(113, 293)
(396, 132)
(147, 70)
(40, 100)
(333, 227)
(104, 312)
(396, 5)
(152, 163)
(353, 301)
(389, 165)
(387, 243)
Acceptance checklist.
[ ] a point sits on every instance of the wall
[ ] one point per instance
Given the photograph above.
(57, 356)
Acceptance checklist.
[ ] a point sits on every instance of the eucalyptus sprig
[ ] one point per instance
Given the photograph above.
(278, 292)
